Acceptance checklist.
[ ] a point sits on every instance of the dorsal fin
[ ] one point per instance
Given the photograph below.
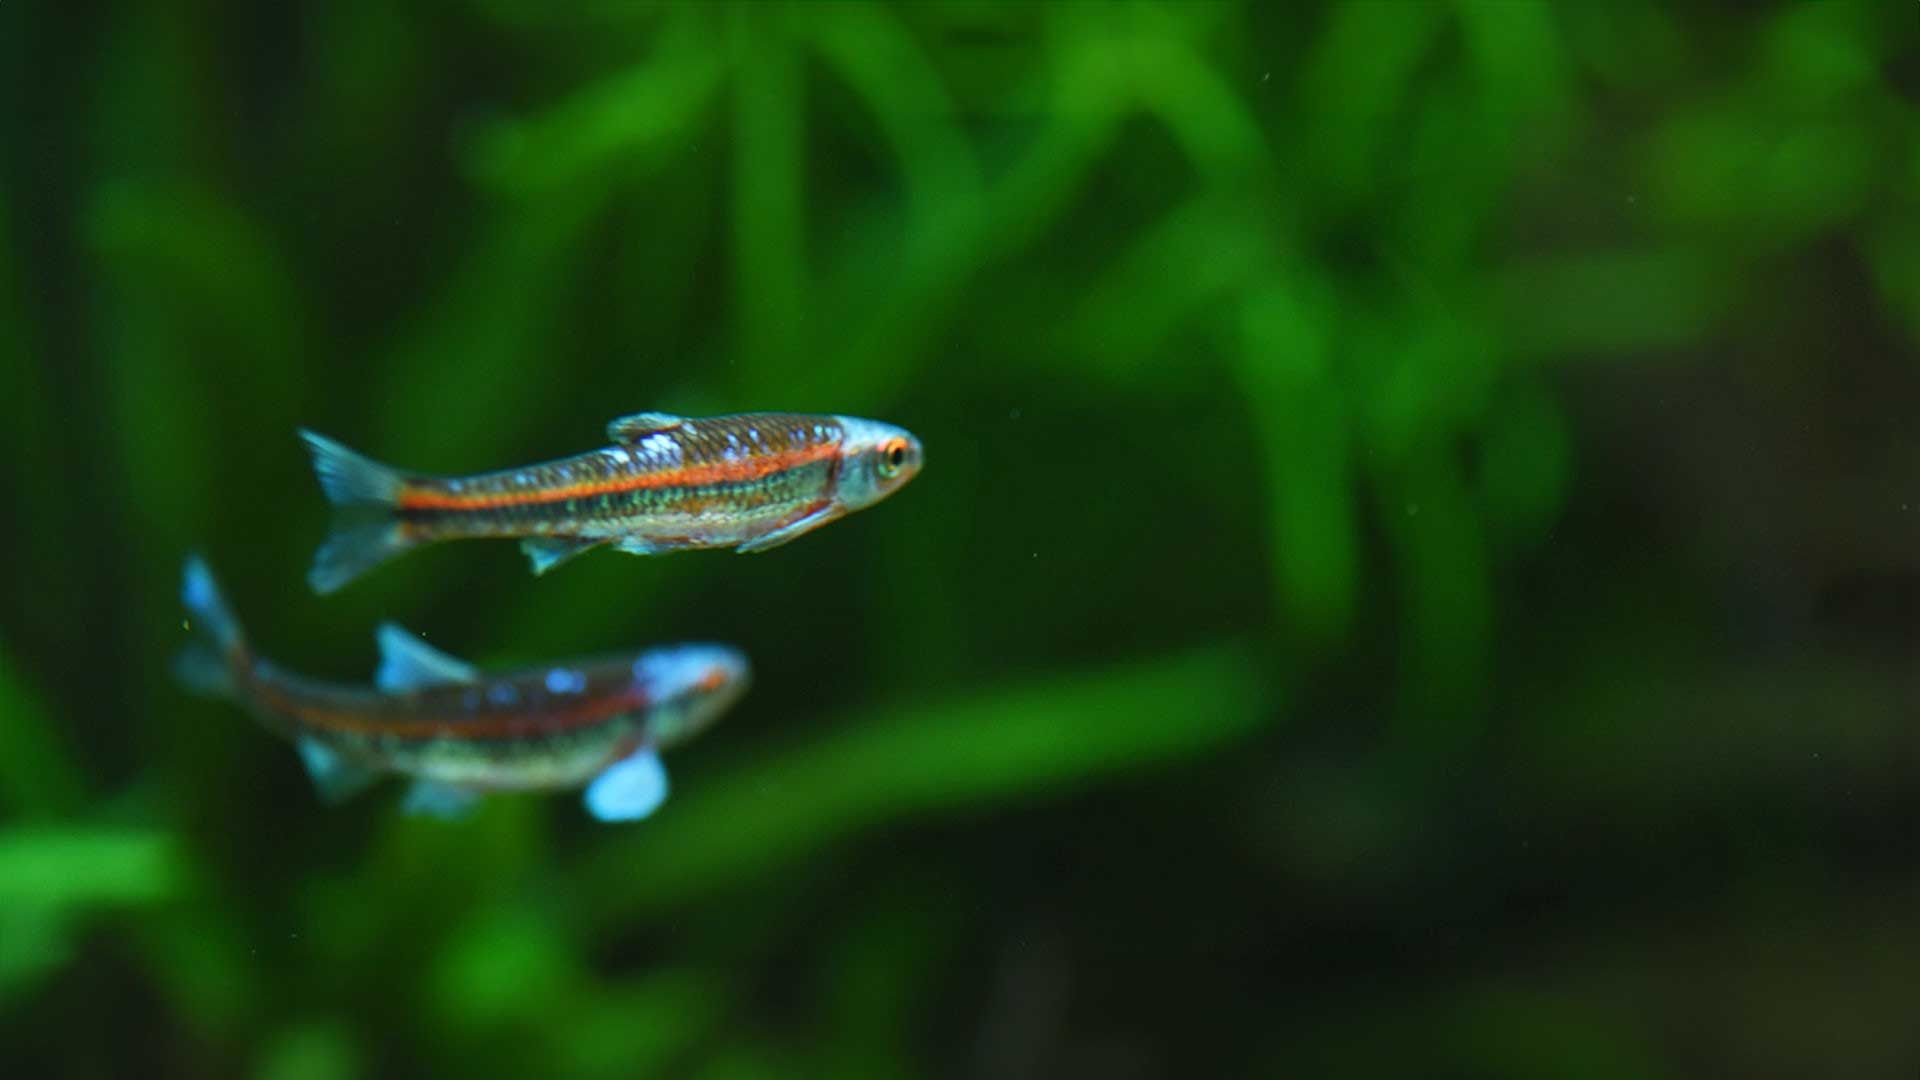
(636, 426)
(407, 663)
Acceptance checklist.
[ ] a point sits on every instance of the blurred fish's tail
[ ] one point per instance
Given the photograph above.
(365, 532)
(219, 649)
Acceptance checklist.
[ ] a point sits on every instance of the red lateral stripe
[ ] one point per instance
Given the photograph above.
(584, 714)
(719, 472)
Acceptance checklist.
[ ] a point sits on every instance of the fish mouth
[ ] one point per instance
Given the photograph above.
(696, 672)
(726, 674)
(916, 457)
(690, 686)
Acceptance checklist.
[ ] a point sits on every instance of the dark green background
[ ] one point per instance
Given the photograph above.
(1417, 571)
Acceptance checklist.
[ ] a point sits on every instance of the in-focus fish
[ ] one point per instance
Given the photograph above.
(461, 733)
(749, 482)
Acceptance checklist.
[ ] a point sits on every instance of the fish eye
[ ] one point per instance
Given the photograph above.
(892, 457)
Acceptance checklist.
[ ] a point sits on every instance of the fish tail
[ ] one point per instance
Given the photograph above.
(365, 531)
(212, 659)
(351, 478)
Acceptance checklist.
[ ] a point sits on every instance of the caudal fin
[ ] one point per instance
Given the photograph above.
(365, 533)
(218, 647)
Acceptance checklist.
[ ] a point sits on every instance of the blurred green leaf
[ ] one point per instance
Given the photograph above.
(1210, 122)
(879, 981)
(194, 278)
(485, 342)
(202, 964)
(504, 966)
(152, 117)
(885, 337)
(744, 1060)
(870, 48)
(1812, 54)
(1083, 112)
(1516, 49)
(34, 943)
(1715, 166)
(1454, 166)
(1512, 1034)
(649, 599)
(1440, 549)
(1620, 304)
(421, 883)
(213, 265)
(1634, 46)
(1047, 737)
(68, 868)
(1895, 253)
(1422, 369)
(769, 237)
(1285, 364)
(38, 776)
(1349, 105)
(309, 1051)
(639, 1029)
(1479, 1031)
(168, 457)
(1178, 384)
(643, 112)
(1818, 716)
(371, 69)
(1195, 257)
(30, 442)
(1525, 464)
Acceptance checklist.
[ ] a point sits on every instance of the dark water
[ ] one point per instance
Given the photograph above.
(1415, 572)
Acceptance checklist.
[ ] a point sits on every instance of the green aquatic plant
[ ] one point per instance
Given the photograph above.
(1284, 584)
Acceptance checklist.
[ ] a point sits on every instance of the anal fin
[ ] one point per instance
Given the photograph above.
(629, 789)
(547, 552)
(436, 799)
(793, 530)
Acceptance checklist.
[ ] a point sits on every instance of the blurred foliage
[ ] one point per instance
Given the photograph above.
(1417, 571)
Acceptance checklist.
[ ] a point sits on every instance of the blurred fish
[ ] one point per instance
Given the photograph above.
(749, 482)
(461, 733)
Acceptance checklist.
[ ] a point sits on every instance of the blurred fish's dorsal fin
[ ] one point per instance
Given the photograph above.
(636, 426)
(629, 789)
(407, 663)
(336, 778)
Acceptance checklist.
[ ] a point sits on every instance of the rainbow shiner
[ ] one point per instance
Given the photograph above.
(749, 482)
(460, 733)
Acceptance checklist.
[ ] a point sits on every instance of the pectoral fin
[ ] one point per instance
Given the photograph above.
(336, 778)
(407, 663)
(792, 530)
(629, 789)
(431, 798)
(636, 426)
(547, 552)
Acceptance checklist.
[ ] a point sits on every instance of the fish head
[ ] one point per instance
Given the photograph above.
(687, 687)
(876, 460)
